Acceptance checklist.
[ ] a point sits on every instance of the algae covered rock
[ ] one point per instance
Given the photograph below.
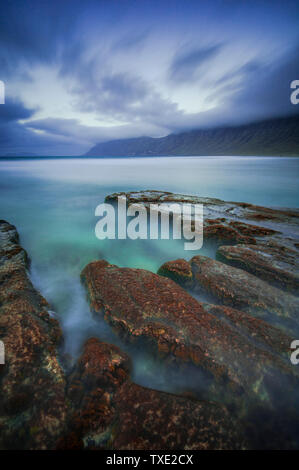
(141, 305)
(239, 289)
(32, 393)
(111, 411)
(274, 263)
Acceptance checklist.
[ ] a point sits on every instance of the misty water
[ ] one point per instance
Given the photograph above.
(52, 203)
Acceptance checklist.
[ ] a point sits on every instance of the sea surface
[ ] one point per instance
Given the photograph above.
(52, 203)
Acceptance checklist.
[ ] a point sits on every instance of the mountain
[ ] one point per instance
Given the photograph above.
(18, 155)
(278, 136)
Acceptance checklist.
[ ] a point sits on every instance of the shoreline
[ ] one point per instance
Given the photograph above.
(250, 345)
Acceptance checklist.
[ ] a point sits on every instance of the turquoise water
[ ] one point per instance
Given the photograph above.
(52, 203)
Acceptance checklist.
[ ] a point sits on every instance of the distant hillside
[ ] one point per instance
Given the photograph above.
(272, 137)
(18, 155)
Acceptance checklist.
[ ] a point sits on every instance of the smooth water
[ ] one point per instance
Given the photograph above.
(52, 203)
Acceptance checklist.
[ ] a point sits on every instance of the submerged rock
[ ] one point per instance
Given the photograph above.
(178, 270)
(229, 345)
(274, 263)
(224, 231)
(110, 411)
(237, 288)
(228, 222)
(32, 394)
(234, 287)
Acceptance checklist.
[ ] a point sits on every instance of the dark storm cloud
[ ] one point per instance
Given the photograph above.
(185, 65)
(13, 110)
(15, 137)
(131, 100)
(267, 92)
(11, 131)
(245, 71)
(62, 127)
(123, 97)
(95, 48)
(113, 93)
(87, 135)
(32, 32)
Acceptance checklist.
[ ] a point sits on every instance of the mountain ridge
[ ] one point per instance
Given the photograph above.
(279, 136)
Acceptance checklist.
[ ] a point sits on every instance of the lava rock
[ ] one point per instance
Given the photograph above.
(113, 412)
(276, 264)
(139, 304)
(32, 394)
(237, 288)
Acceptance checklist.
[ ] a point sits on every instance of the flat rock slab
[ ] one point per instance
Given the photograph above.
(110, 411)
(32, 394)
(237, 288)
(227, 222)
(141, 304)
(234, 287)
(276, 264)
(240, 226)
(214, 205)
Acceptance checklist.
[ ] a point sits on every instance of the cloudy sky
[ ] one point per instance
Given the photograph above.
(80, 72)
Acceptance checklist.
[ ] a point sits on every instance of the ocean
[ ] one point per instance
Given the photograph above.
(52, 202)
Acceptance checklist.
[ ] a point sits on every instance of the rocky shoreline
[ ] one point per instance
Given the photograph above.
(231, 318)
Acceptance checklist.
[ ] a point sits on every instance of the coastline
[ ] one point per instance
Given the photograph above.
(247, 358)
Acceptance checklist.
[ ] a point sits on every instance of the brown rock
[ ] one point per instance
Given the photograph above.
(222, 233)
(251, 230)
(276, 264)
(178, 270)
(113, 412)
(226, 221)
(32, 401)
(102, 366)
(239, 289)
(140, 304)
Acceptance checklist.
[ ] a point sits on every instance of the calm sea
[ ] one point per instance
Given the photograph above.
(52, 203)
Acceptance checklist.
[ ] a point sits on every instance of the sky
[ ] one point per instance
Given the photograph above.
(77, 73)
